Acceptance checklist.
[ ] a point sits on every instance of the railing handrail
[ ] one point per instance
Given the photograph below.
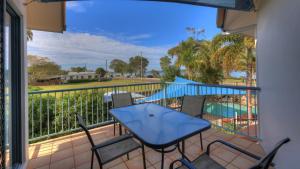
(138, 84)
(90, 88)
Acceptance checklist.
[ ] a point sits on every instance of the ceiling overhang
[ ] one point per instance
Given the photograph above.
(46, 16)
(244, 5)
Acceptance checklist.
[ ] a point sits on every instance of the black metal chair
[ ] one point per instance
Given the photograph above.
(110, 149)
(204, 161)
(121, 100)
(194, 106)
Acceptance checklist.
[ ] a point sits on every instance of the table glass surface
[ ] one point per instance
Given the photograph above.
(158, 126)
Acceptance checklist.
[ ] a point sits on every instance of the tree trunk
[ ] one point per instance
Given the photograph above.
(249, 72)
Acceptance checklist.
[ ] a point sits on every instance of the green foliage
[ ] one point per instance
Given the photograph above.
(119, 66)
(165, 62)
(184, 53)
(78, 69)
(170, 73)
(56, 113)
(155, 73)
(42, 70)
(100, 71)
(138, 64)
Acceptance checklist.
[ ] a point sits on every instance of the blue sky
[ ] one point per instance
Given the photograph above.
(102, 30)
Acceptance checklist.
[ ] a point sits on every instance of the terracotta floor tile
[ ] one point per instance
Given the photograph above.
(132, 154)
(62, 155)
(193, 152)
(224, 154)
(59, 146)
(153, 156)
(82, 148)
(73, 151)
(113, 163)
(39, 162)
(80, 140)
(219, 160)
(44, 167)
(242, 163)
(167, 163)
(82, 158)
(136, 163)
(67, 163)
(119, 166)
(241, 142)
(230, 166)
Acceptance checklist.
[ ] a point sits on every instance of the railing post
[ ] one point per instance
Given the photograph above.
(165, 95)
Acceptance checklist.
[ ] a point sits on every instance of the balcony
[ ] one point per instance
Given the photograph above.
(57, 143)
(73, 151)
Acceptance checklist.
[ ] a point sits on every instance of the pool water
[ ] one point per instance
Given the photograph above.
(226, 110)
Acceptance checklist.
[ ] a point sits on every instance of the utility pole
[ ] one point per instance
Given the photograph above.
(106, 67)
(141, 65)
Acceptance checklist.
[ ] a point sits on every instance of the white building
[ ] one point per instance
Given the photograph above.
(79, 76)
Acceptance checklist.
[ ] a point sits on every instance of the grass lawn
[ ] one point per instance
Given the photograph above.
(95, 84)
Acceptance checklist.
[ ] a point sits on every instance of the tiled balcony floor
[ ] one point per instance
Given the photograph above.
(73, 152)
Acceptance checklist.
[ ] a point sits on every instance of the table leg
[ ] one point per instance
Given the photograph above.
(183, 146)
(162, 158)
(120, 129)
(144, 157)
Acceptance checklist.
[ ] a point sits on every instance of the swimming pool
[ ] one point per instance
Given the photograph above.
(226, 110)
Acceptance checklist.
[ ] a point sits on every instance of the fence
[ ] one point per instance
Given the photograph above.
(52, 113)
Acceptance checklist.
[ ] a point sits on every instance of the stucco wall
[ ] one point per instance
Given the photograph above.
(278, 51)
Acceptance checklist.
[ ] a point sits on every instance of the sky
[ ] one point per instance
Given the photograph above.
(101, 30)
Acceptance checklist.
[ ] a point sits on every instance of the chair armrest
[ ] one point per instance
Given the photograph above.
(184, 162)
(110, 142)
(233, 147)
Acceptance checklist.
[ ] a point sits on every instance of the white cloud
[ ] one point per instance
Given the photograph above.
(69, 49)
(79, 6)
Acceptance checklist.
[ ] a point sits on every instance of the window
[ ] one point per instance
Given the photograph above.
(11, 63)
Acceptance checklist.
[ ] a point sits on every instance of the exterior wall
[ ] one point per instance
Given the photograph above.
(278, 52)
(21, 10)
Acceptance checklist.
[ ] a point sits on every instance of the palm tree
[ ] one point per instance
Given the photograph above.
(185, 55)
(235, 52)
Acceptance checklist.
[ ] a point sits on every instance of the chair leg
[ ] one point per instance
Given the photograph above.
(127, 156)
(201, 141)
(92, 161)
(114, 128)
(183, 148)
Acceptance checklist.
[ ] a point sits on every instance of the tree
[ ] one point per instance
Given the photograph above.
(138, 64)
(169, 71)
(29, 35)
(236, 53)
(119, 66)
(42, 70)
(165, 62)
(155, 73)
(78, 69)
(184, 53)
(100, 71)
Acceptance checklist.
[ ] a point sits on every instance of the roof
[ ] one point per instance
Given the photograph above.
(181, 87)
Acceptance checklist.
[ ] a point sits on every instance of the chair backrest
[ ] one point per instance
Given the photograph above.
(266, 161)
(193, 105)
(121, 100)
(82, 125)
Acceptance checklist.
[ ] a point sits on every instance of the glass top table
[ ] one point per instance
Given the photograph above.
(158, 127)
